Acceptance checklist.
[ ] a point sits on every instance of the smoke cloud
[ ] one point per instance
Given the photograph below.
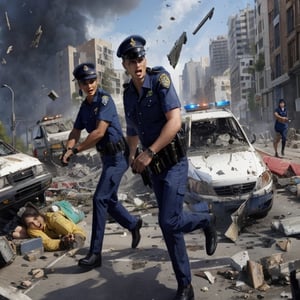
(27, 66)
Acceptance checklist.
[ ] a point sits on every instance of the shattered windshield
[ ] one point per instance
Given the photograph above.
(215, 135)
(6, 149)
(60, 126)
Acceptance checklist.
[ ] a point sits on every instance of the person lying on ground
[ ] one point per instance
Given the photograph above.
(57, 232)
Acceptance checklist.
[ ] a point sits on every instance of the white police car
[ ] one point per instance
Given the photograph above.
(22, 178)
(223, 164)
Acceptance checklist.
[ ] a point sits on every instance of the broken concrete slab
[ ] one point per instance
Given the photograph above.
(255, 274)
(284, 245)
(239, 260)
(238, 219)
(288, 181)
(289, 226)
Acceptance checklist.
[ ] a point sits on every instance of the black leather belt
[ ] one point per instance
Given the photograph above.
(112, 148)
(169, 155)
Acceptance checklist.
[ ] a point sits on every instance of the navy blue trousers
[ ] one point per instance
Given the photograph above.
(105, 200)
(169, 188)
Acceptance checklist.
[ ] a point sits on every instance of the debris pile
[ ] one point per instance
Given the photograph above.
(256, 277)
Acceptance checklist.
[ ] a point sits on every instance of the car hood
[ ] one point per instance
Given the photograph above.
(60, 136)
(230, 168)
(16, 162)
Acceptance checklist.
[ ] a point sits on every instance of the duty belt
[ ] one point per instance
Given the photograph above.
(112, 148)
(169, 155)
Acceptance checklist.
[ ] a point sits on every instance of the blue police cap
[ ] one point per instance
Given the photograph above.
(132, 47)
(85, 71)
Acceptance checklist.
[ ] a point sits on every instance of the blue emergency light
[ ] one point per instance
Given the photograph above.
(222, 103)
(191, 107)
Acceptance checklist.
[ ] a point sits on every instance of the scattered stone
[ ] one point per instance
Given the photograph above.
(284, 245)
(26, 284)
(286, 295)
(255, 274)
(289, 226)
(239, 260)
(37, 273)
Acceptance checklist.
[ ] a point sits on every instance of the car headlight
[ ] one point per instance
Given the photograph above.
(3, 182)
(39, 169)
(264, 179)
(199, 187)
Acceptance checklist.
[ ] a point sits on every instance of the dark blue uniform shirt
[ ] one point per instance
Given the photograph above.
(145, 115)
(279, 126)
(102, 108)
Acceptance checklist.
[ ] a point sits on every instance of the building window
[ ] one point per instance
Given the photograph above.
(276, 36)
(291, 54)
(276, 8)
(277, 66)
(290, 20)
(298, 46)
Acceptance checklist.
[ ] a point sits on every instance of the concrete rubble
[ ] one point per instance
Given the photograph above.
(77, 185)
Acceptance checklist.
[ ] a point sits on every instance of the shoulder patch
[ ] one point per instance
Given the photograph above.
(105, 100)
(164, 80)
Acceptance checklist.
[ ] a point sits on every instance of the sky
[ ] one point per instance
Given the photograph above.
(27, 64)
(152, 20)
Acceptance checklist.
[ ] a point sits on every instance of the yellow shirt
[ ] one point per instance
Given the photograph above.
(56, 226)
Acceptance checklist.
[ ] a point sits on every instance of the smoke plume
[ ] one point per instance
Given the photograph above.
(31, 32)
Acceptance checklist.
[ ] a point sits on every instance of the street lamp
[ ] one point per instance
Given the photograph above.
(13, 117)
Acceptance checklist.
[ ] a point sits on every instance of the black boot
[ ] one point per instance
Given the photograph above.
(90, 261)
(185, 293)
(211, 237)
(136, 235)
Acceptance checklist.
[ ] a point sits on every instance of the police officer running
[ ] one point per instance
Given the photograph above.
(152, 111)
(281, 126)
(98, 115)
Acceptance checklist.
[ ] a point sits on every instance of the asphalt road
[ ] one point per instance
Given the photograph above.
(145, 273)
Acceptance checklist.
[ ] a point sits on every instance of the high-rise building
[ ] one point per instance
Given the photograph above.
(284, 32)
(241, 38)
(96, 51)
(263, 97)
(218, 55)
(193, 80)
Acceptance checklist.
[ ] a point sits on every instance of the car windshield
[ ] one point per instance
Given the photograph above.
(60, 126)
(215, 135)
(6, 149)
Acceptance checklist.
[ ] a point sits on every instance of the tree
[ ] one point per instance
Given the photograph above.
(3, 134)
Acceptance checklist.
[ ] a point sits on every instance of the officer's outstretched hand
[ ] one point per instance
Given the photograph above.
(65, 157)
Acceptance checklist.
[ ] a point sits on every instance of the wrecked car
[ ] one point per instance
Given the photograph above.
(22, 178)
(49, 136)
(223, 165)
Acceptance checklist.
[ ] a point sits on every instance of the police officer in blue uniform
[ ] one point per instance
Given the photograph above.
(281, 126)
(152, 111)
(98, 115)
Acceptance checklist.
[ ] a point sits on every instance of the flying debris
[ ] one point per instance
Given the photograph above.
(9, 49)
(172, 18)
(173, 56)
(37, 36)
(168, 5)
(7, 21)
(3, 61)
(53, 95)
(208, 16)
(159, 27)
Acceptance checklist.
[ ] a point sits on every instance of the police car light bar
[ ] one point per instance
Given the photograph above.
(196, 107)
(222, 103)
